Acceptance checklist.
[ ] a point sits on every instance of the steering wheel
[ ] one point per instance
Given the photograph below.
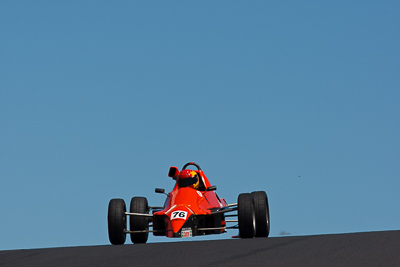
(191, 163)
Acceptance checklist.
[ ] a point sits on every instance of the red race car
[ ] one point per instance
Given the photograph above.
(192, 208)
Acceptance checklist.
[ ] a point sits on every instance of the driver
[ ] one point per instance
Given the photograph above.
(188, 178)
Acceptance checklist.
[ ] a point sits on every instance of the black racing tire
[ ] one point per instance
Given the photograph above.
(262, 213)
(246, 216)
(139, 223)
(116, 221)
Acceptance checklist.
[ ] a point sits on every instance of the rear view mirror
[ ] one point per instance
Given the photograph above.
(212, 188)
(173, 172)
(160, 190)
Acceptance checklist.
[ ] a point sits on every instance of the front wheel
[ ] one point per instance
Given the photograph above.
(139, 223)
(262, 213)
(117, 221)
(246, 216)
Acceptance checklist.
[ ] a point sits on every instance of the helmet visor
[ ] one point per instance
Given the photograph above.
(187, 181)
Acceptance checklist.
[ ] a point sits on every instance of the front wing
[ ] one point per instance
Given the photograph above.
(215, 222)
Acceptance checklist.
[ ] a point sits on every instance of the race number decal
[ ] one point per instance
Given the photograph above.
(178, 214)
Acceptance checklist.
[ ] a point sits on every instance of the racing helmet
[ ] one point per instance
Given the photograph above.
(188, 178)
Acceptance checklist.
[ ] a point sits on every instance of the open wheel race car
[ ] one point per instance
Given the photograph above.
(192, 208)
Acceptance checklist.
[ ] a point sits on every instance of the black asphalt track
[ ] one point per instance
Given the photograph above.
(356, 249)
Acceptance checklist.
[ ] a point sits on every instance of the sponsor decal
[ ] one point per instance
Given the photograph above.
(186, 232)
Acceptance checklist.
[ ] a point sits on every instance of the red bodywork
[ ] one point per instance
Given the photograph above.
(187, 211)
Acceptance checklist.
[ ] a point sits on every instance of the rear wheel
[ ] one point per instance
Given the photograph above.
(139, 223)
(262, 213)
(117, 221)
(246, 216)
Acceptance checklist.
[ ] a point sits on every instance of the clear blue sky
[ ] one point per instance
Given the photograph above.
(99, 98)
